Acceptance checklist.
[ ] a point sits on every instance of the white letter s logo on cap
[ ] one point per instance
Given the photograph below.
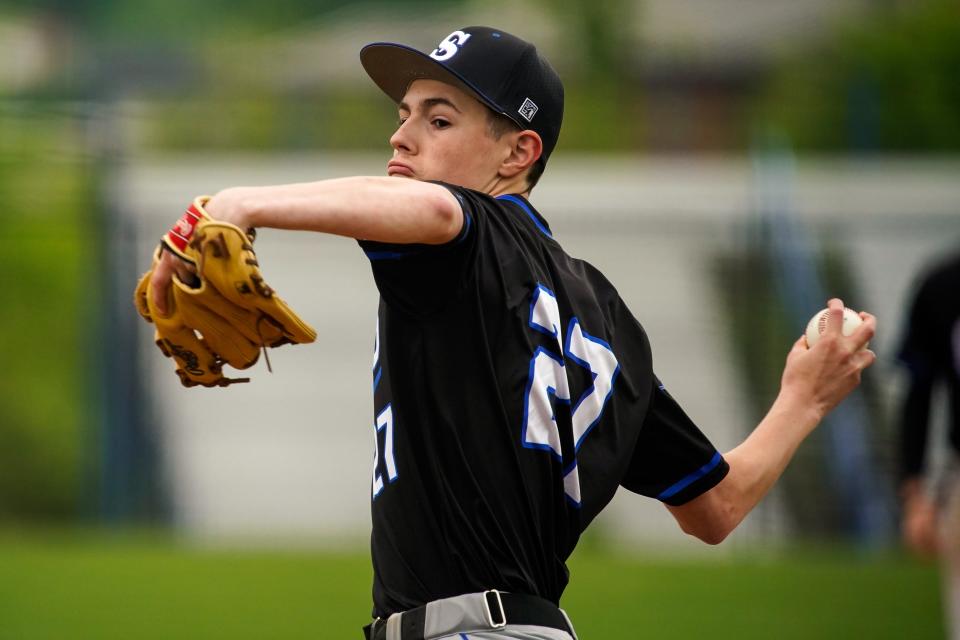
(450, 45)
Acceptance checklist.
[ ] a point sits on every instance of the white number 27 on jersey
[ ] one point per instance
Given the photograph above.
(548, 381)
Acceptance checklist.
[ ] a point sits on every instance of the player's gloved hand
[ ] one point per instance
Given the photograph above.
(228, 303)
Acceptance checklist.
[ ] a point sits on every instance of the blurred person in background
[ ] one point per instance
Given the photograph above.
(931, 353)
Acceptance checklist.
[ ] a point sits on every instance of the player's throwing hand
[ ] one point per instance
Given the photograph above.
(826, 373)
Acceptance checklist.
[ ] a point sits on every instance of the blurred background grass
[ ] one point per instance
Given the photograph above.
(86, 87)
(88, 585)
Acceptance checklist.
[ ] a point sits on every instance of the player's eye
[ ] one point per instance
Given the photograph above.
(400, 121)
(440, 123)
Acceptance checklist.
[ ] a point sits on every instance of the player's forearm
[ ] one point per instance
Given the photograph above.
(755, 466)
(369, 208)
(759, 461)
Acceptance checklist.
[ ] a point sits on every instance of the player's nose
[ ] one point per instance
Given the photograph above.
(402, 140)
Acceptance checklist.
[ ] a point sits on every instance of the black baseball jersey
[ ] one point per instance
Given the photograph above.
(931, 351)
(514, 393)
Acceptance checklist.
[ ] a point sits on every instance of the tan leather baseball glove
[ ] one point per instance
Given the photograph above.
(229, 314)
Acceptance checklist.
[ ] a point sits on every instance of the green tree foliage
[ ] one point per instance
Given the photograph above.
(151, 20)
(45, 258)
(887, 83)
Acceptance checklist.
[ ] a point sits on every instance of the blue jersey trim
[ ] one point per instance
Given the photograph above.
(467, 223)
(523, 205)
(386, 255)
(693, 477)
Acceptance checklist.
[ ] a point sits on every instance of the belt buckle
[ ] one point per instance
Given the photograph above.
(488, 610)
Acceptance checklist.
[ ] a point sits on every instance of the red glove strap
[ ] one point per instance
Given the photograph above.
(179, 235)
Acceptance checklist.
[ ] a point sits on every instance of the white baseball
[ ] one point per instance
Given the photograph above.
(818, 324)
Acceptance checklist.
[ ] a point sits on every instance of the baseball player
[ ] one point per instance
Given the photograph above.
(513, 390)
(931, 353)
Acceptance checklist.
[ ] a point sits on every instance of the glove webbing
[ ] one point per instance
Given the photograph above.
(220, 250)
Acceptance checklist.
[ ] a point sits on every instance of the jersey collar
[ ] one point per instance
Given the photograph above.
(532, 213)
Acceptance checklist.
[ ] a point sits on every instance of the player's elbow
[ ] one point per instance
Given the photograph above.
(445, 216)
(712, 535)
(709, 518)
(710, 532)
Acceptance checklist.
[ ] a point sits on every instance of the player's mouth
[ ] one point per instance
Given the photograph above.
(397, 168)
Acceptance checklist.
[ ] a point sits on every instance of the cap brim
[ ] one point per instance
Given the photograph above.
(394, 67)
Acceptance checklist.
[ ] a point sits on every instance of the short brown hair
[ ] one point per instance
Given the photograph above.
(498, 125)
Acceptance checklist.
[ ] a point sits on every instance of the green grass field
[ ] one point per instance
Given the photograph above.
(75, 586)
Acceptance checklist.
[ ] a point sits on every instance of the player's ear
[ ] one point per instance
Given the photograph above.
(526, 147)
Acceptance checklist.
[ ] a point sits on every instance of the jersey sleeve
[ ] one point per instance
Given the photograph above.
(672, 461)
(419, 278)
